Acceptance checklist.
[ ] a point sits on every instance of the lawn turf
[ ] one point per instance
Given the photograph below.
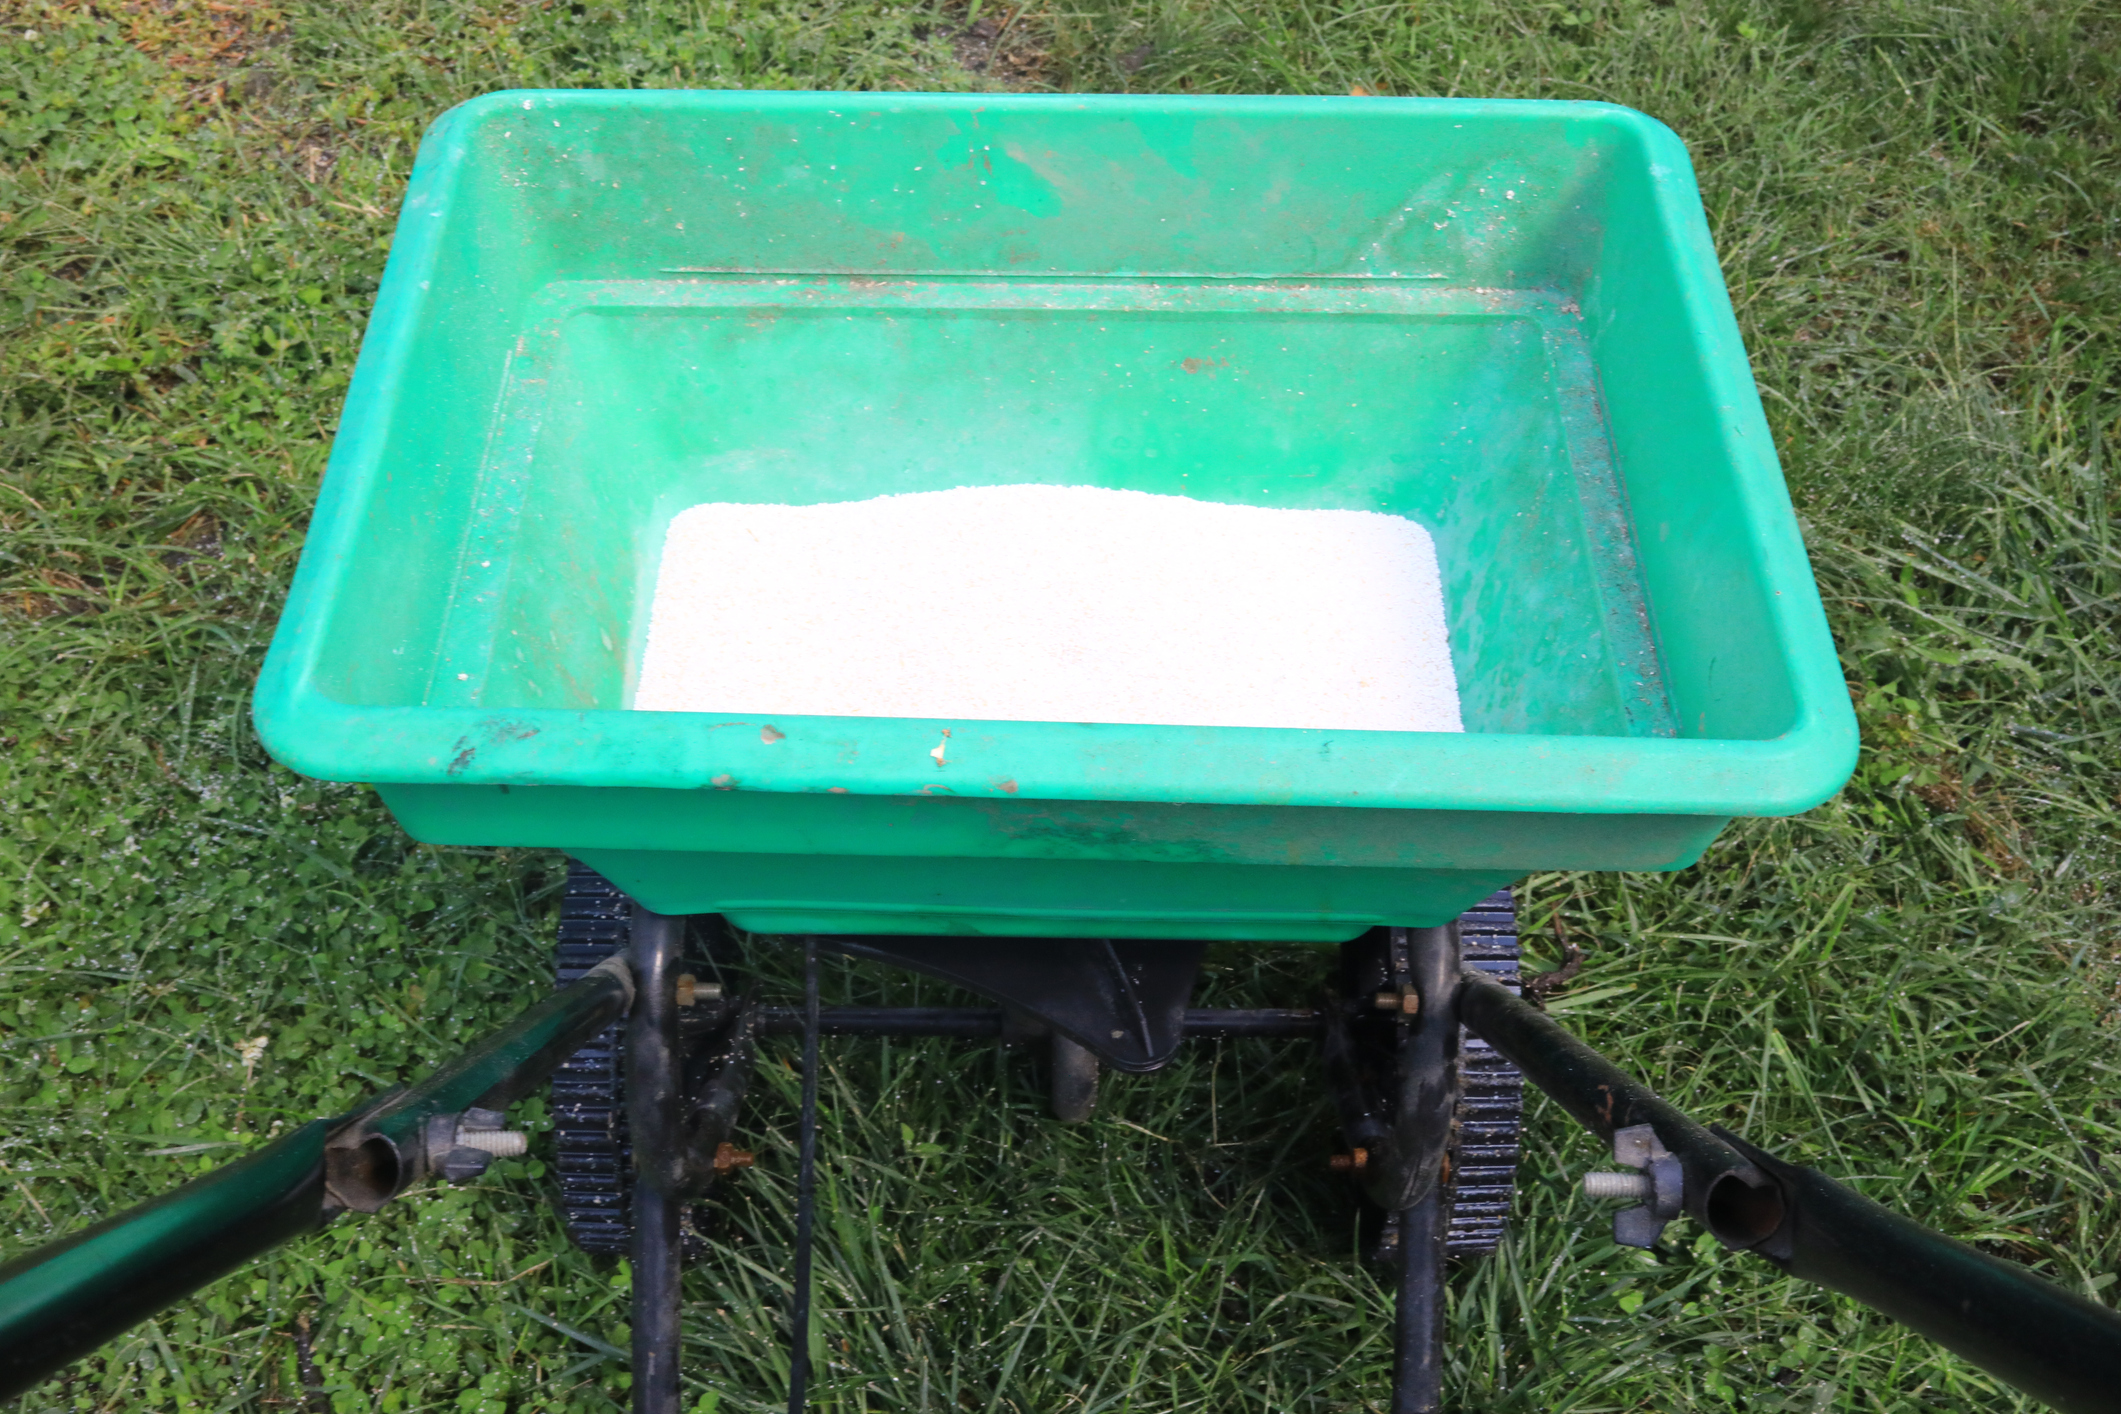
(1913, 986)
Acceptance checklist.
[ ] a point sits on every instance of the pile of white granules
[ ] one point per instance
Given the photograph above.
(1052, 603)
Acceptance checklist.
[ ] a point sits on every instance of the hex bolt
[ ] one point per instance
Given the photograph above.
(1406, 1003)
(501, 1143)
(1637, 1187)
(1349, 1163)
(728, 1158)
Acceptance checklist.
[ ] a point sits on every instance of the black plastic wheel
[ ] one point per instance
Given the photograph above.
(589, 1113)
(1490, 1126)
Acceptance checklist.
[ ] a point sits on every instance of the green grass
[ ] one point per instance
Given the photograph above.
(1914, 987)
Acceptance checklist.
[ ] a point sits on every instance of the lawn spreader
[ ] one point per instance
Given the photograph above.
(1501, 320)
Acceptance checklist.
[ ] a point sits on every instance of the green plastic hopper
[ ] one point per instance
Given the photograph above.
(1504, 320)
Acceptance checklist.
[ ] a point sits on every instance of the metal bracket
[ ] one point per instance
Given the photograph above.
(715, 1080)
(383, 1148)
(1393, 1072)
(1121, 999)
(459, 1147)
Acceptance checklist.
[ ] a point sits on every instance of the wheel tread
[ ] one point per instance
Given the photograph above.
(1490, 1119)
(589, 1119)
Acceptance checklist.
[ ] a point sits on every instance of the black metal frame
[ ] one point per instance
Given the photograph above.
(1122, 1000)
(654, 1105)
(1396, 1074)
(1114, 1002)
(1400, 1062)
(991, 1023)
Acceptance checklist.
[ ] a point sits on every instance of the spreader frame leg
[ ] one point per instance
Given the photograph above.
(1417, 1325)
(1428, 1098)
(652, 1101)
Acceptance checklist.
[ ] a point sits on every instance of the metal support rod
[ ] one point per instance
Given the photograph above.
(805, 1190)
(1417, 1347)
(1209, 1023)
(981, 1023)
(652, 1101)
(964, 1022)
(1428, 1097)
(1072, 1080)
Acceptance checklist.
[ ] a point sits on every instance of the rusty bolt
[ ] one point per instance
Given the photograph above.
(692, 991)
(1406, 1003)
(1349, 1163)
(728, 1158)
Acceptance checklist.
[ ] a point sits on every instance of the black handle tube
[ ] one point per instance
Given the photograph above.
(2055, 1345)
(1725, 1192)
(380, 1150)
(2051, 1343)
(1418, 1314)
(63, 1300)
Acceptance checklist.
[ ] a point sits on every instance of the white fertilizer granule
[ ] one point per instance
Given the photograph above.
(1052, 603)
